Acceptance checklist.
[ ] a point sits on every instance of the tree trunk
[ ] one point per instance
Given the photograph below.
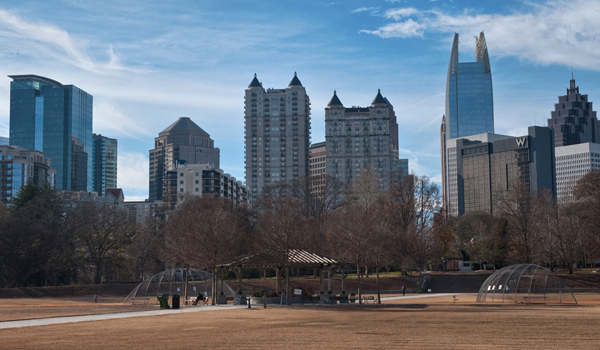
(213, 286)
(377, 275)
(288, 299)
(343, 279)
(278, 282)
(358, 275)
(98, 274)
(239, 278)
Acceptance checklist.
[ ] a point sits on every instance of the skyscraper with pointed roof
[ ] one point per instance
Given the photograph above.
(469, 99)
(573, 119)
(359, 137)
(185, 141)
(277, 133)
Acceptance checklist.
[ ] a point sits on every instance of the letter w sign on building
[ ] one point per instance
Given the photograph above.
(521, 142)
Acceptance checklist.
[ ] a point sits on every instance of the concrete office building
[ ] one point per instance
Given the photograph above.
(317, 166)
(181, 141)
(277, 134)
(572, 163)
(573, 119)
(104, 174)
(56, 119)
(205, 180)
(141, 212)
(480, 166)
(18, 166)
(357, 137)
(469, 99)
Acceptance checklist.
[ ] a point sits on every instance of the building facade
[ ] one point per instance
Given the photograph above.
(181, 141)
(573, 119)
(55, 119)
(317, 166)
(277, 134)
(359, 137)
(204, 180)
(572, 163)
(469, 100)
(141, 212)
(18, 166)
(469, 96)
(481, 166)
(104, 174)
(4, 141)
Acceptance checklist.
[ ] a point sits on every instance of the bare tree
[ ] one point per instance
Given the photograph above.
(283, 224)
(523, 212)
(102, 233)
(205, 232)
(416, 203)
(354, 229)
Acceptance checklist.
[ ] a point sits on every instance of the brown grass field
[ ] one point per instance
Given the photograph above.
(424, 323)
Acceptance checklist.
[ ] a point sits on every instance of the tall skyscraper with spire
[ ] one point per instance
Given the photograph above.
(469, 99)
(277, 134)
(573, 119)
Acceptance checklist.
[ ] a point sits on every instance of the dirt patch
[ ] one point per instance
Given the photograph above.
(426, 323)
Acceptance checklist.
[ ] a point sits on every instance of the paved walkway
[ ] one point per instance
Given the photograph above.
(100, 317)
(111, 316)
(421, 296)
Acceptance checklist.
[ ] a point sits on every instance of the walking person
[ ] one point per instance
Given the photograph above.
(403, 290)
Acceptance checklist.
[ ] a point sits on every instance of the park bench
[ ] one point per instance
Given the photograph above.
(528, 299)
(139, 300)
(192, 300)
(369, 298)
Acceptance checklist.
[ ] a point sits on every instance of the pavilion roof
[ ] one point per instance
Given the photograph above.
(280, 258)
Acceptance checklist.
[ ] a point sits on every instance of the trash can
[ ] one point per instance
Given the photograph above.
(163, 300)
(175, 301)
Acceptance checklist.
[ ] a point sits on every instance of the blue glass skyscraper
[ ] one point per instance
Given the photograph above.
(469, 101)
(57, 120)
(469, 98)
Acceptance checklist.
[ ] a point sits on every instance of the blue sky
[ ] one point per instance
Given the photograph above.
(149, 62)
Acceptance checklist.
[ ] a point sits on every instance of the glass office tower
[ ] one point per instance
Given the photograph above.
(469, 98)
(55, 119)
(105, 164)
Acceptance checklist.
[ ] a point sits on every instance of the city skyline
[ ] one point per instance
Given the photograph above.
(197, 62)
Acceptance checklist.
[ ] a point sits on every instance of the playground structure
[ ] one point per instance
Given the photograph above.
(525, 283)
(174, 281)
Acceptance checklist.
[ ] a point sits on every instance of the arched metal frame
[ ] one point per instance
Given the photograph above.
(525, 283)
(167, 282)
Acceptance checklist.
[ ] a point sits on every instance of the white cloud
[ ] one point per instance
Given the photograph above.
(110, 119)
(557, 32)
(398, 14)
(406, 29)
(373, 10)
(53, 43)
(133, 174)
